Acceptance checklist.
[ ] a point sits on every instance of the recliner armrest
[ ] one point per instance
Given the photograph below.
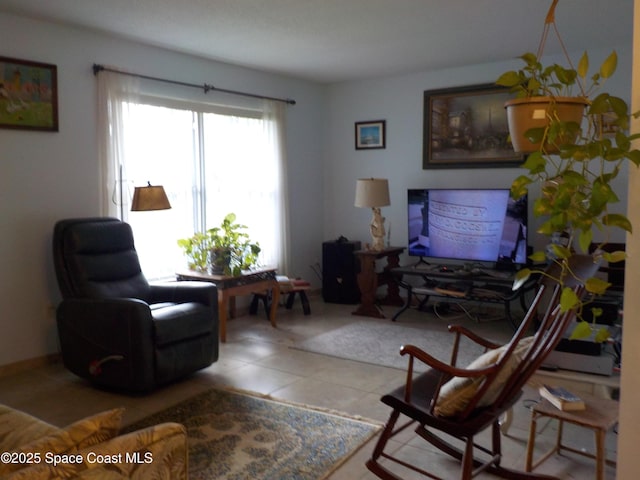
(187, 291)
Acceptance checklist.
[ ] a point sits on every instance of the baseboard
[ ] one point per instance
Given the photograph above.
(21, 366)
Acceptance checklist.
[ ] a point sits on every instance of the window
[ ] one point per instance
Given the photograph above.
(211, 161)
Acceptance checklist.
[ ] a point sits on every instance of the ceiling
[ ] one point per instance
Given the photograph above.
(337, 40)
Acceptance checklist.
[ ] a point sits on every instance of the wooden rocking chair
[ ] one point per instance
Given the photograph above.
(462, 402)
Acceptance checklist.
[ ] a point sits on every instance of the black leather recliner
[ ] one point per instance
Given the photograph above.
(117, 330)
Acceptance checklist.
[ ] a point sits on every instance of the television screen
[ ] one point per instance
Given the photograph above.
(481, 225)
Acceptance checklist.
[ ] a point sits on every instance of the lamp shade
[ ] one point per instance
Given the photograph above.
(372, 192)
(151, 197)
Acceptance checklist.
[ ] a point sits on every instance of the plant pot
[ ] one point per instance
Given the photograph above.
(219, 260)
(534, 112)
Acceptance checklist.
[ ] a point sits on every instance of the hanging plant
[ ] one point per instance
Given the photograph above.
(574, 161)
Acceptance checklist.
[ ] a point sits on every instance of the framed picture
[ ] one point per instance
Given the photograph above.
(28, 95)
(370, 134)
(467, 127)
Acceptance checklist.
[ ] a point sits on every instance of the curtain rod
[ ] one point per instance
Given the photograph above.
(205, 87)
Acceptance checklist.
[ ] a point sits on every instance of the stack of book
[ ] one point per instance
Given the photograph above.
(562, 398)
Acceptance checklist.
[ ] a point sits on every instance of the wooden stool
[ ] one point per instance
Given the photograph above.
(301, 289)
(600, 415)
(287, 287)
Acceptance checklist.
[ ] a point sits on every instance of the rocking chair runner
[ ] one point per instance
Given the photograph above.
(462, 402)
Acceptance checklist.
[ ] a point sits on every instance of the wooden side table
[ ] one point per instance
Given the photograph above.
(229, 287)
(369, 280)
(600, 415)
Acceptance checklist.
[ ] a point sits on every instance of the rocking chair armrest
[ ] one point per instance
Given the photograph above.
(459, 329)
(440, 366)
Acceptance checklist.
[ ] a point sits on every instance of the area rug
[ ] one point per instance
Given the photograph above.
(378, 342)
(237, 435)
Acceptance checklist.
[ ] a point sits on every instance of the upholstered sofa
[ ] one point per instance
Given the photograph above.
(89, 449)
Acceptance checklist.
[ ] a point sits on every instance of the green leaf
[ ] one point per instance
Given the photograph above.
(572, 178)
(595, 313)
(584, 239)
(530, 59)
(519, 186)
(535, 163)
(581, 330)
(617, 220)
(536, 134)
(509, 79)
(599, 105)
(583, 65)
(596, 285)
(634, 156)
(614, 257)
(619, 106)
(522, 276)
(560, 251)
(568, 299)
(609, 66)
(602, 335)
(537, 257)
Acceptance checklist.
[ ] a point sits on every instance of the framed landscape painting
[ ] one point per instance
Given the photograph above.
(370, 134)
(467, 127)
(28, 95)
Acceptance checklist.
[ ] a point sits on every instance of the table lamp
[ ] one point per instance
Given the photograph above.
(374, 193)
(151, 197)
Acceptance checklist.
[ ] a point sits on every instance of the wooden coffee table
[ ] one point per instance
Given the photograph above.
(258, 280)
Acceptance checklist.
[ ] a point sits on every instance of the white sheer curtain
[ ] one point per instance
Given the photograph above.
(274, 123)
(114, 91)
(211, 160)
(245, 173)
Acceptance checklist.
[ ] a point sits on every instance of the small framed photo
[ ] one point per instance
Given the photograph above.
(371, 134)
(28, 95)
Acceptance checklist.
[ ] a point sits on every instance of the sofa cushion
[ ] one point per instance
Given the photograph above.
(18, 428)
(81, 434)
(159, 451)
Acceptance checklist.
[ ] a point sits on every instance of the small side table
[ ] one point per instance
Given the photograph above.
(600, 415)
(229, 287)
(369, 280)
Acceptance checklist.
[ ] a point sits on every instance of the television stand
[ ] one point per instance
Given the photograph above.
(451, 283)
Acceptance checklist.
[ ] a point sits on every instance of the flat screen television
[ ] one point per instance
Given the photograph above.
(470, 225)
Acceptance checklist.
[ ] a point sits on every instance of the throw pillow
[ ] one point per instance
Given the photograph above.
(81, 434)
(456, 394)
(166, 444)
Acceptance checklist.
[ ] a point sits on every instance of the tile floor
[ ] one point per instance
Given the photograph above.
(259, 358)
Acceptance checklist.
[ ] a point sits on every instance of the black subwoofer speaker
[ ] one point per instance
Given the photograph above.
(339, 272)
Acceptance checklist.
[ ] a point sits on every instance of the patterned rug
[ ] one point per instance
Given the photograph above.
(238, 436)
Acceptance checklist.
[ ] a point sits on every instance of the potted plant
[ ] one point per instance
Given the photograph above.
(574, 161)
(545, 93)
(226, 249)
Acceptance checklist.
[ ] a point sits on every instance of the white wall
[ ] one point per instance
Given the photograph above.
(46, 176)
(399, 101)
